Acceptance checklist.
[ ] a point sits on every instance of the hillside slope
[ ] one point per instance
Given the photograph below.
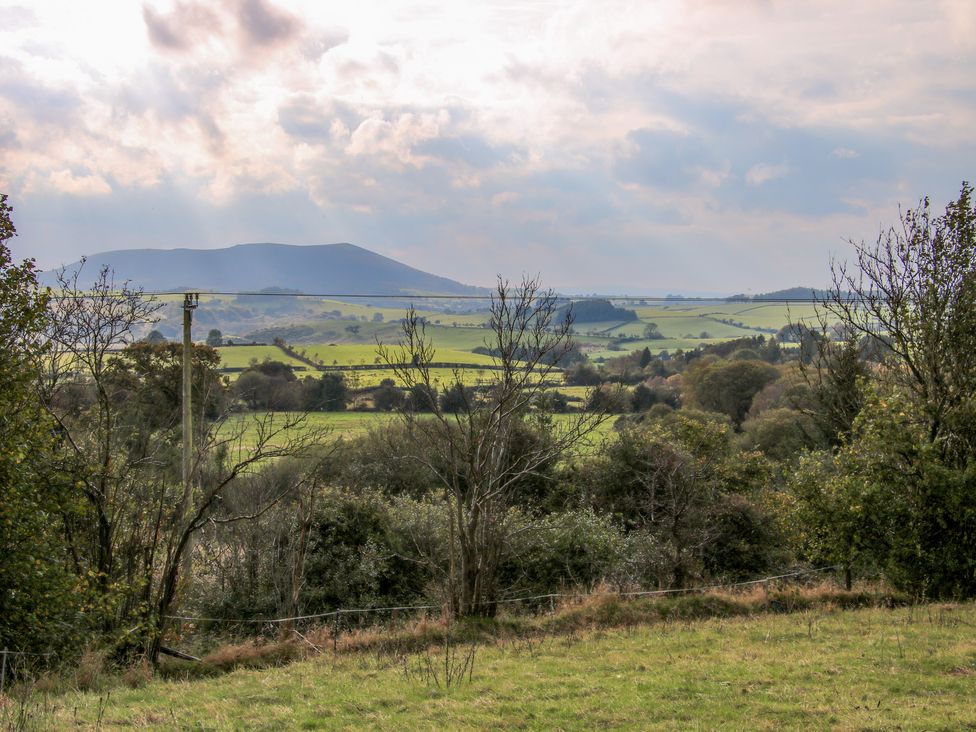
(325, 268)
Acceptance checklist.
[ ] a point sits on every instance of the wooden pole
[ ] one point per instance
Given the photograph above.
(190, 301)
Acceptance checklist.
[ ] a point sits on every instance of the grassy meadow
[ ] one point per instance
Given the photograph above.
(909, 668)
(682, 325)
(240, 357)
(245, 427)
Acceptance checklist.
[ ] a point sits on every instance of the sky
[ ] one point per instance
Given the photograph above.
(709, 146)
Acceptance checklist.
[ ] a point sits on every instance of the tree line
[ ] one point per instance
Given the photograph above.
(845, 441)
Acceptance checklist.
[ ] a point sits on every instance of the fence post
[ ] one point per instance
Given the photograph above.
(3, 672)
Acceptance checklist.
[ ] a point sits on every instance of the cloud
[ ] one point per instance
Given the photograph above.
(765, 172)
(468, 149)
(667, 159)
(309, 117)
(40, 103)
(64, 181)
(265, 24)
(17, 17)
(187, 24)
(504, 198)
(596, 138)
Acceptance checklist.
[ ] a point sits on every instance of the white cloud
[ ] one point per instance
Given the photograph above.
(64, 181)
(765, 172)
(504, 198)
(175, 94)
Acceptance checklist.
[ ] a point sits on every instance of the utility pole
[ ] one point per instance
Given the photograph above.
(190, 302)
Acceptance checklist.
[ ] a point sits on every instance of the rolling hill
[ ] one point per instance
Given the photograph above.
(325, 268)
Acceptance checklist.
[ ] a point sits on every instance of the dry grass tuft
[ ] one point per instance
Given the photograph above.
(138, 674)
(90, 671)
(257, 653)
(599, 611)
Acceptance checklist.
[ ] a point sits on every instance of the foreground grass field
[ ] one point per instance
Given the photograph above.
(906, 668)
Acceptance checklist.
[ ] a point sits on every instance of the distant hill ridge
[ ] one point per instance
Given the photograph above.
(321, 268)
(792, 293)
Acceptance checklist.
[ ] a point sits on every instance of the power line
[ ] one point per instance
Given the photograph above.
(485, 298)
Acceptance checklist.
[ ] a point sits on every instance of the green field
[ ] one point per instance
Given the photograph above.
(334, 425)
(906, 669)
(455, 336)
(348, 425)
(243, 356)
(350, 354)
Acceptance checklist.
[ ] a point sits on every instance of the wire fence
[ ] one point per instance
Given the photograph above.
(8, 659)
(363, 611)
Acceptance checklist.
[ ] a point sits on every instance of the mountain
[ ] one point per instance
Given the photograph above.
(324, 268)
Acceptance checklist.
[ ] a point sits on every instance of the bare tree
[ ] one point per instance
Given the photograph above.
(915, 291)
(473, 452)
(142, 518)
(242, 448)
(85, 328)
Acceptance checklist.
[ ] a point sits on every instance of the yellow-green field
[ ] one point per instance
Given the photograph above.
(871, 669)
(351, 354)
(244, 356)
(347, 425)
(684, 326)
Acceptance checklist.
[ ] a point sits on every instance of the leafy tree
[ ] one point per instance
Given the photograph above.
(651, 332)
(915, 289)
(387, 397)
(421, 397)
(215, 338)
(456, 398)
(582, 373)
(271, 385)
(36, 597)
(154, 337)
(728, 386)
(328, 393)
(781, 434)
(149, 379)
(595, 311)
(678, 481)
(836, 379)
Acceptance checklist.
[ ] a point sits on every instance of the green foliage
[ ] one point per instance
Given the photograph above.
(781, 434)
(887, 500)
(456, 398)
(573, 549)
(352, 560)
(728, 386)
(273, 385)
(595, 311)
(36, 588)
(915, 289)
(678, 482)
(582, 374)
(148, 378)
(387, 397)
(328, 393)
